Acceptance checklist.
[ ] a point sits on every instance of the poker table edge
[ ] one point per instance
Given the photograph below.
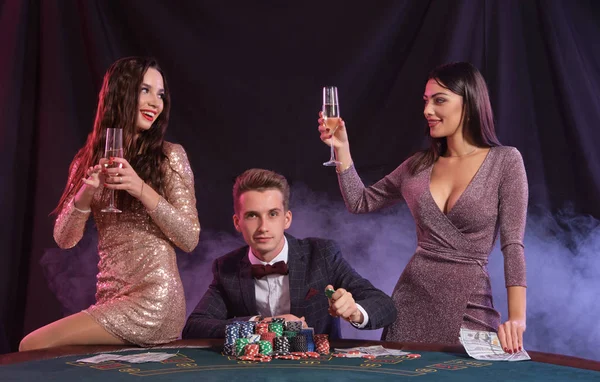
(217, 344)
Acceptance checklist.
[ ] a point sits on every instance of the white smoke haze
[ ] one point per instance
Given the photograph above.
(563, 266)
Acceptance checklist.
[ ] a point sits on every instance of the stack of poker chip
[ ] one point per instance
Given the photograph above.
(240, 345)
(310, 343)
(246, 328)
(322, 343)
(269, 336)
(276, 327)
(298, 343)
(278, 338)
(262, 328)
(252, 350)
(232, 333)
(265, 347)
(254, 338)
(293, 326)
(281, 345)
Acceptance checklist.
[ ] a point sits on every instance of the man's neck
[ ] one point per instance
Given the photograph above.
(269, 257)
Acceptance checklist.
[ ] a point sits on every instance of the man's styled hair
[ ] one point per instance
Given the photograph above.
(257, 179)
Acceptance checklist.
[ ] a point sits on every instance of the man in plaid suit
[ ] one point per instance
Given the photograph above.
(277, 275)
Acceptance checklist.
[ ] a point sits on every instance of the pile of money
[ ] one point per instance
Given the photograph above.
(485, 346)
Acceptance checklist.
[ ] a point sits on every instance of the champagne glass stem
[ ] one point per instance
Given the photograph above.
(332, 158)
(112, 198)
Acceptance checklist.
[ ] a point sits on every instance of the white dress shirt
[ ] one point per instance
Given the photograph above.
(272, 292)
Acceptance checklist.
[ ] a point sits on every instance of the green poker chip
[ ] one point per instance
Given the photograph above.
(329, 292)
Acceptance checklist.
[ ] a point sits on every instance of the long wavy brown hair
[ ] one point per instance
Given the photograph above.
(463, 79)
(117, 107)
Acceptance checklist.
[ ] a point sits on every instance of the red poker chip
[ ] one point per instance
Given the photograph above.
(313, 354)
(353, 352)
(291, 357)
(369, 356)
(299, 354)
(255, 358)
(413, 355)
(339, 355)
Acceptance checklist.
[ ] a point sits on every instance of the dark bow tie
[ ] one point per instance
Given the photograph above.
(260, 271)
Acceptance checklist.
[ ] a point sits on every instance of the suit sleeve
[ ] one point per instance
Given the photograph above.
(375, 302)
(209, 318)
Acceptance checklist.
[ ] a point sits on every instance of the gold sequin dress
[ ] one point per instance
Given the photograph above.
(139, 294)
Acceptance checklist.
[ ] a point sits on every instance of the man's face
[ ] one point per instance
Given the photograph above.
(262, 219)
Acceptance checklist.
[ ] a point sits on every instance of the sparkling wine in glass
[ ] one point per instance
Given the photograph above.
(113, 149)
(331, 117)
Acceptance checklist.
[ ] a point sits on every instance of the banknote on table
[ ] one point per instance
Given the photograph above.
(131, 358)
(376, 350)
(485, 346)
(146, 357)
(100, 358)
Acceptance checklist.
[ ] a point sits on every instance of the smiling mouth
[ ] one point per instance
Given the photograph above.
(148, 115)
(433, 123)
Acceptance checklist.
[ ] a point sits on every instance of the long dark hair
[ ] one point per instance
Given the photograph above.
(118, 107)
(463, 79)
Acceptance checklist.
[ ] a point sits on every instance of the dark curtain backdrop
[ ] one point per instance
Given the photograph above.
(246, 80)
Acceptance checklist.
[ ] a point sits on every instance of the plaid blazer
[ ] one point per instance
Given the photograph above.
(313, 264)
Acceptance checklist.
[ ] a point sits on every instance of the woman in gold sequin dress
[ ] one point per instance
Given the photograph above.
(462, 192)
(139, 294)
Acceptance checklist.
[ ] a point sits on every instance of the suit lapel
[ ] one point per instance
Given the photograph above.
(297, 267)
(247, 283)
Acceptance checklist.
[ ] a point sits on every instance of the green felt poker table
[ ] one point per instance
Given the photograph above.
(203, 360)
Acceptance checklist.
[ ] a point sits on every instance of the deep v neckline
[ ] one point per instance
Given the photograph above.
(464, 191)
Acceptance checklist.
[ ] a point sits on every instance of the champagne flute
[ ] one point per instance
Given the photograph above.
(331, 117)
(113, 148)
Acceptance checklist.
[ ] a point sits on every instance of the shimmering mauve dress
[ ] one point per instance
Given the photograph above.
(446, 284)
(139, 294)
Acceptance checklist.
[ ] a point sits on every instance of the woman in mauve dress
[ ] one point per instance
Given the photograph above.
(139, 294)
(461, 191)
